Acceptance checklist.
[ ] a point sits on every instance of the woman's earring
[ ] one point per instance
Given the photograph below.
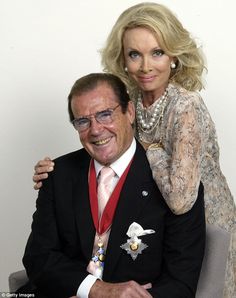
(126, 69)
(172, 65)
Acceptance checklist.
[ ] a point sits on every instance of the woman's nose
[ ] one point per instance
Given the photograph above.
(145, 66)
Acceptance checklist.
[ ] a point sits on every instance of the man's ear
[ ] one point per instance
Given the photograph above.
(131, 112)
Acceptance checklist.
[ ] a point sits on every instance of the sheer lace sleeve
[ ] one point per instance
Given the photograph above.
(178, 173)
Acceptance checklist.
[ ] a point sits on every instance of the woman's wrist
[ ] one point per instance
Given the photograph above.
(154, 146)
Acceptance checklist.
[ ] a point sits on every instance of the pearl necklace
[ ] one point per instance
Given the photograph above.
(146, 122)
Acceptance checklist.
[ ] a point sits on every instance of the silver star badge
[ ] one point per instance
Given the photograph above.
(134, 246)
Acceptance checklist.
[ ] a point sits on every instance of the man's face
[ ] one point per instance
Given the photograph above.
(104, 142)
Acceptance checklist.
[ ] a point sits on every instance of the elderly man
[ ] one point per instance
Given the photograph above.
(102, 228)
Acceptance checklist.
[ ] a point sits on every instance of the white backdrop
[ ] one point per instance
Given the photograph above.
(45, 46)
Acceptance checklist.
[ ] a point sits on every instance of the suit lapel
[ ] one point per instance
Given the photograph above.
(132, 200)
(85, 226)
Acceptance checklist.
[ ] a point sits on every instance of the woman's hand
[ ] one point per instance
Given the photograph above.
(41, 170)
(145, 145)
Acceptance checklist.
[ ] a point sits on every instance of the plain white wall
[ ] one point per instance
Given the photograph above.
(45, 46)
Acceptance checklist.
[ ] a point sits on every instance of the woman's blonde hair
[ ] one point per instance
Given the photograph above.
(172, 37)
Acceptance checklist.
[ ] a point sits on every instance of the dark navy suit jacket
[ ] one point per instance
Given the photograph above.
(61, 242)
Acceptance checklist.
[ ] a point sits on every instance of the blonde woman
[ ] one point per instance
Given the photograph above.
(162, 66)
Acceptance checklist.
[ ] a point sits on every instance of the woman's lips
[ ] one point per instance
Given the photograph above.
(146, 79)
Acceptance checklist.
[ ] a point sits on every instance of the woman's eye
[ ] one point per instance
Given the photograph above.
(158, 53)
(133, 54)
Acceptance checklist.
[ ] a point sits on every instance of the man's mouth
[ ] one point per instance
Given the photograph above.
(102, 142)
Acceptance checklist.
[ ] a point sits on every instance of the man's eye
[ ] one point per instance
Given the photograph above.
(104, 114)
(158, 53)
(133, 54)
(82, 121)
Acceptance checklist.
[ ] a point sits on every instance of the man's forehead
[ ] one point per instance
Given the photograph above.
(93, 101)
(102, 90)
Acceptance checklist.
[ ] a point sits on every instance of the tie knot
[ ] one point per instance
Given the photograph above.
(106, 174)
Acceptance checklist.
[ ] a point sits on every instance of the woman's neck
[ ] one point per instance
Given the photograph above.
(149, 97)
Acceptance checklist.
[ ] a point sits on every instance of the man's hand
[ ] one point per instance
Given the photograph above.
(130, 289)
(41, 171)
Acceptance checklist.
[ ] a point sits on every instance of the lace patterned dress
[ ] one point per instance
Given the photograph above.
(190, 153)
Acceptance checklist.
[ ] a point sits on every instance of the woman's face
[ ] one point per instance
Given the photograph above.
(146, 62)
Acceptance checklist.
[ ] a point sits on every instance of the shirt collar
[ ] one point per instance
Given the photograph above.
(121, 163)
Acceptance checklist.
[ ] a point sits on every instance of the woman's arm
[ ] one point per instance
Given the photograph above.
(178, 174)
(41, 170)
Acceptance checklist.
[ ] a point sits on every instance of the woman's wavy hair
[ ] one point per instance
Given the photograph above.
(172, 37)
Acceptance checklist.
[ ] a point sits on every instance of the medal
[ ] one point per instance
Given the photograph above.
(99, 258)
(134, 246)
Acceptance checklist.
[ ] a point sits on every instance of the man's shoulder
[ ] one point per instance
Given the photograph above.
(75, 158)
(140, 158)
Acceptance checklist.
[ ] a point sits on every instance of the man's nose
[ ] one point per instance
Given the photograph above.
(95, 126)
